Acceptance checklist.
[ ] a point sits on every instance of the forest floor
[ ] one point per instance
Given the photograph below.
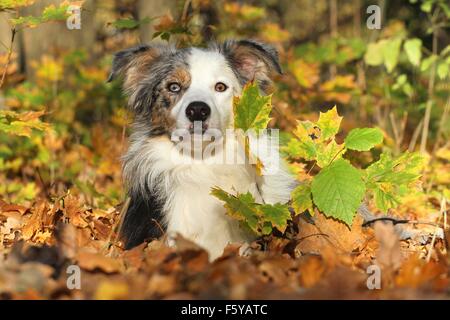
(324, 260)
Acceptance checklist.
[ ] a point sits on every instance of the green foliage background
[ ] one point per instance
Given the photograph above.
(64, 128)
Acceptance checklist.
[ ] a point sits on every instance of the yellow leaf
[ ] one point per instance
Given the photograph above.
(329, 123)
(306, 74)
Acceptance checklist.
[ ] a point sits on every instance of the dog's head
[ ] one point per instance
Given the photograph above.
(172, 88)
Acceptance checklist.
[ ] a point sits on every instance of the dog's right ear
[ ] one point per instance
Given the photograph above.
(132, 64)
(122, 61)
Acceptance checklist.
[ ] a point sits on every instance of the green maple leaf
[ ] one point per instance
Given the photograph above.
(338, 190)
(301, 199)
(241, 207)
(252, 110)
(329, 123)
(277, 214)
(306, 130)
(363, 139)
(303, 146)
(259, 218)
(301, 149)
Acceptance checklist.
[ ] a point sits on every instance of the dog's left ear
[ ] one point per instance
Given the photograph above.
(252, 60)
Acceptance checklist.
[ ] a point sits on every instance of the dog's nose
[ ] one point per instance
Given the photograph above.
(198, 111)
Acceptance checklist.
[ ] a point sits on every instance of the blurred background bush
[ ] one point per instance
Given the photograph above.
(63, 128)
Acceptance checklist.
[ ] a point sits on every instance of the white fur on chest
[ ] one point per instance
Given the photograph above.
(196, 214)
(189, 208)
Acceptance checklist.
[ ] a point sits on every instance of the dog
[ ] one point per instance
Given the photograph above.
(170, 90)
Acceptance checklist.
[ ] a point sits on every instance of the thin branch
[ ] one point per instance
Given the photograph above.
(443, 210)
(393, 220)
(415, 136)
(442, 124)
(334, 30)
(116, 228)
(399, 221)
(429, 105)
(312, 235)
(4, 45)
(8, 59)
(398, 132)
(184, 14)
(159, 226)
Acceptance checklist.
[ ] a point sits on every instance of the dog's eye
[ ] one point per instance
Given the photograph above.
(220, 87)
(174, 87)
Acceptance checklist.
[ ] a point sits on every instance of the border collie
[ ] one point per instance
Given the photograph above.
(173, 89)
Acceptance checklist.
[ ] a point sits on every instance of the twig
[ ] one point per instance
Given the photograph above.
(443, 210)
(184, 14)
(118, 226)
(8, 59)
(4, 45)
(44, 186)
(434, 224)
(159, 226)
(442, 124)
(312, 235)
(335, 156)
(312, 167)
(399, 133)
(437, 142)
(334, 31)
(445, 214)
(183, 19)
(415, 136)
(394, 129)
(426, 120)
(399, 221)
(393, 220)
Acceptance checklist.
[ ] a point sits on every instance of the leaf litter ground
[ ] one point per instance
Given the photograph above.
(324, 260)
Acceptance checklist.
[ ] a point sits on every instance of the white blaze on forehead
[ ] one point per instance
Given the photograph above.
(206, 68)
(209, 67)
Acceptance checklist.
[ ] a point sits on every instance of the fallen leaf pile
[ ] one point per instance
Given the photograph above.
(316, 258)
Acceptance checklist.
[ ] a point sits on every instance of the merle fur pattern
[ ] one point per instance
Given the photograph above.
(144, 70)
